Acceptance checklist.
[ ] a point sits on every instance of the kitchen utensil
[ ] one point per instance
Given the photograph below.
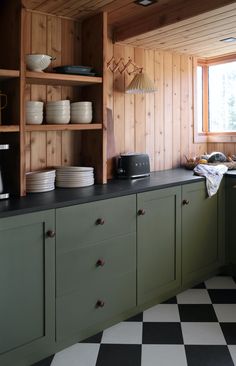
(38, 62)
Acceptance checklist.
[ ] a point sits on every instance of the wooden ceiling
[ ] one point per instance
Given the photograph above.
(175, 25)
(200, 35)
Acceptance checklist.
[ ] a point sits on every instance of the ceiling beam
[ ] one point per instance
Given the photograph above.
(180, 10)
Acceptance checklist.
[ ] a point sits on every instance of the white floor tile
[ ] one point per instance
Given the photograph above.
(225, 312)
(220, 282)
(162, 313)
(194, 296)
(232, 350)
(202, 333)
(80, 354)
(163, 355)
(124, 333)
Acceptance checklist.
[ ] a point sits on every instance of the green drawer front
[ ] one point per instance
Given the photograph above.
(76, 225)
(78, 311)
(77, 268)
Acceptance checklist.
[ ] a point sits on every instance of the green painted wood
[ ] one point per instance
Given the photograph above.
(80, 282)
(77, 310)
(78, 268)
(231, 215)
(80, 222)
(159, 243)
(27, 287)
(202, 232)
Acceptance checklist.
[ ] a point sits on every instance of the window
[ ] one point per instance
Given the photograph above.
(216, 99)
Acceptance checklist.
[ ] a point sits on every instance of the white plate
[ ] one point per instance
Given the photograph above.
(41, 173)
(39, 190)
(37, 186)
(75, 174)
(75, 169)
(73, 185)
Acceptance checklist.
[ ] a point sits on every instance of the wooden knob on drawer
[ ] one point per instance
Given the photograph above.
(185, 202)
(141, 212)
(100, 262)
(51, 234)
(100, 221)
(100, 304)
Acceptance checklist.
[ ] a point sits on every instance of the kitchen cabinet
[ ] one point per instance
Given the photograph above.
(202, 232)
(27, 256)
(158, 244)
(231, 214)
(36, 147)
(96, 265)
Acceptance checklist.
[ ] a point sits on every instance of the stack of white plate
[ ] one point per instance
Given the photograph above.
(74, 176)
(34, 113)
(81, 112)
(58, 112)
(40, 181)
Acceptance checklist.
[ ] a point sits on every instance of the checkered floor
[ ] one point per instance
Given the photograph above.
(195, 328)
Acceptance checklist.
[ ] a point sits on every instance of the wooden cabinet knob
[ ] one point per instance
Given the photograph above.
(185, 202)
(51, 234)
(100, 304)
(100, 221)
(100, 262)
(141, 212)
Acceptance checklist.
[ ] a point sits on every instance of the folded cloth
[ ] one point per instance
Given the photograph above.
(213, 174)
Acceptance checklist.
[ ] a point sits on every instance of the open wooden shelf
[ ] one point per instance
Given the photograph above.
(9, 74)
(67, 127)
(46, 78)
(9, 128)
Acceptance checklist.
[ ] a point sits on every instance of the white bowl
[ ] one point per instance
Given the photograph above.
(77, 104)
(81, 120)
(59, 103)
(58, 120)
(33, 104)
(58, 114)
(38, 62)
(34, 119)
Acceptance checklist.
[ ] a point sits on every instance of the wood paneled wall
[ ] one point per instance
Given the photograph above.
(159, 124)
(60, 38)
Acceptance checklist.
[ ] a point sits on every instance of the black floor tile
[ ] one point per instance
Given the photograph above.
(197, 313)
(229, 330)
(208, 356)
(172, 300)
(136, 318)
(223, 296)
(200, 285)
(94, 339)
(119, 355)
(45, 362)
(162, 333)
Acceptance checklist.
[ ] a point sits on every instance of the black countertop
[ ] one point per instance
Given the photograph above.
(62, 197)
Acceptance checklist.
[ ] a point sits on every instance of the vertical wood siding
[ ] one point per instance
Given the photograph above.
(159, 124)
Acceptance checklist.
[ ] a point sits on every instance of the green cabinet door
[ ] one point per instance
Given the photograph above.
(159, 244)
(202, 232)
(231, 215)
(26, 288)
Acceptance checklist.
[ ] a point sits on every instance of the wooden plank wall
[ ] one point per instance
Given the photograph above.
(60, 38)
(159, 124)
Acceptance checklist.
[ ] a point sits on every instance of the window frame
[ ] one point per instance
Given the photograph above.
(206, 135)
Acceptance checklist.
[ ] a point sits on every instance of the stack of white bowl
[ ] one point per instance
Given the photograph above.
(74, 176)
(58, 112)
(40, 181)
(81, 112)
(34, 113)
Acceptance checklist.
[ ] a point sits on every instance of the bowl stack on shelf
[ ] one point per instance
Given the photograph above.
(81, 112)
(74, 176)
(58, 112)
(40, 181)
(34, 113)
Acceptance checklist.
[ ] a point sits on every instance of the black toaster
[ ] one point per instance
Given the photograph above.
(133, 165)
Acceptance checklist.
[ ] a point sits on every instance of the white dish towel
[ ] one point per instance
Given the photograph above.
(213, 174)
